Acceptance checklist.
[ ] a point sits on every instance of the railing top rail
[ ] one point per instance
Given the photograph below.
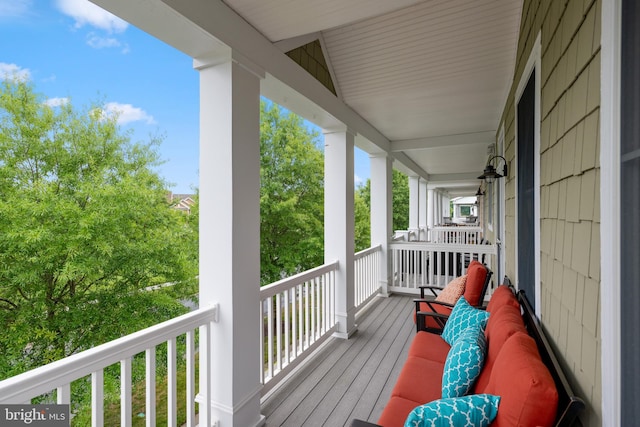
(460, 227)
(445, 247)
(363, 253)
(289, 282)
(43, 379)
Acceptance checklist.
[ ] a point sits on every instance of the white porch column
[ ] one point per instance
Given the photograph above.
(230, 236)
(414, 202)
(422, 209)
(437, 213)
(430, 210)
(339, 223)
(382, 213)
(446, 210)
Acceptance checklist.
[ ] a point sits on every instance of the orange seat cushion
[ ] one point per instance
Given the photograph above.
(429, 346)
(528, 393)
(420, 380)
(396, 412)
(476, 275)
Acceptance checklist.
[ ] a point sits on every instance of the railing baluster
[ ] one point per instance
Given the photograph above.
(63, 394)
(301, 318)
(278, 325)
(125, 392)
(307, 322)
(294, 322)
(287, 327)
(205, 372)
(270, 336)
(191, 379)
(172, 386)
(150, 411)
(97, 398)
(312, 285)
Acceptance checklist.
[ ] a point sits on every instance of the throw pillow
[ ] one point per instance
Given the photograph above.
(464, 362)
(453, 290)
(463, 316)
(477, 410)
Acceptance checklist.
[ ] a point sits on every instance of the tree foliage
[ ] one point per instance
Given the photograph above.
(86, 228)
(400, 212)
(291, 196)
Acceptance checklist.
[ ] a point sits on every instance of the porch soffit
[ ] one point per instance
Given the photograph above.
(405, 70)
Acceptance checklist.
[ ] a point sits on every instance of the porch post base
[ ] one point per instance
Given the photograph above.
(245, 413)
(346, 324)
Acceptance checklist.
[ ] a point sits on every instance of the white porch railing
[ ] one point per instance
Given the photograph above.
(367, 275)
(463, 234)
(298, 314)
(57, 376)
(420, 263)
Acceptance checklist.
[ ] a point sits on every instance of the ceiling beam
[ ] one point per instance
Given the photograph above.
(485, 137)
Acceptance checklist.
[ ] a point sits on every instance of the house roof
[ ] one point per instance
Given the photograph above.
(426, 80)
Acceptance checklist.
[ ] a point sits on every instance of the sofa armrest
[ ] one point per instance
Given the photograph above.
(433, 290)
(421, 321)
(360, 423)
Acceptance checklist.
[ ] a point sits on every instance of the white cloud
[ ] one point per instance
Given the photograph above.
(127, 113)
(97, 42)
(13, 71)
(14, 8)
(357, 180)
(56, 102)
(87, 13)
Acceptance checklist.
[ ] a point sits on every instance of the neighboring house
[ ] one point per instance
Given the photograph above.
(465, 210)
(182, 202)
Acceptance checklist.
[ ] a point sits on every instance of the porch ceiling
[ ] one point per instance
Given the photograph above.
(412, 69)
(427, 78)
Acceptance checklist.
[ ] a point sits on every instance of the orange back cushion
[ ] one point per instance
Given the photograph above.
(502, 324)
(528, 393)
(476, 275)
(500, 297)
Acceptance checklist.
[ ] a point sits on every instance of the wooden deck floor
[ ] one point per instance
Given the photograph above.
(348, 378)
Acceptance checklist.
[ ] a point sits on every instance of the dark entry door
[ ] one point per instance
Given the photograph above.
(525, 197)
(630, 212)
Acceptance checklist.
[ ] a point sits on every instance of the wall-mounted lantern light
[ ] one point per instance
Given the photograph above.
(490, 173)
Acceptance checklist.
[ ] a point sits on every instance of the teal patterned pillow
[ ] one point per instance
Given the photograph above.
(476, 410)
(463, 316)
(464, 362)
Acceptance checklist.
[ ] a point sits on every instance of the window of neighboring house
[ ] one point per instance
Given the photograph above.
(465, 210)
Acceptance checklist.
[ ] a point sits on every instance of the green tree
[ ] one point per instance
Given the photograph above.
(400, 187)
(86, 228)
(400, 212)
(291, 196)
(362, 211)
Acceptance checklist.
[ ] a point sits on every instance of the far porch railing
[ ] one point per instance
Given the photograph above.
(57, 377)
(298, 313)
(421, 263)
(367, 275)
(461, 234)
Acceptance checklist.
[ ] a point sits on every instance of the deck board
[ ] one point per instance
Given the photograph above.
(348, 378)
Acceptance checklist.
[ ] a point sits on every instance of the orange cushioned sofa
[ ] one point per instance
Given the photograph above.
(532, 392)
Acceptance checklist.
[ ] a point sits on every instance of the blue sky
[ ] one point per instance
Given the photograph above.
(73, 50)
